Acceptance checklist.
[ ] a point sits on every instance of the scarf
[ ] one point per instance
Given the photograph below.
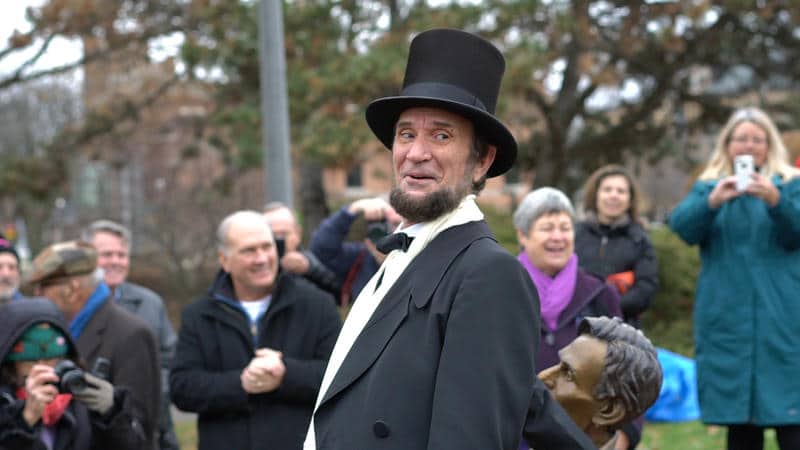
(86, 313)
(556, 292)
(54, 410)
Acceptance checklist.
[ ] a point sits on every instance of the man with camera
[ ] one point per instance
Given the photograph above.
(46, 400)
(66, 274)
(288, 234)
(354, 263)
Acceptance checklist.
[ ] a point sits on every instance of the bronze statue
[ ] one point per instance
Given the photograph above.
(608, 375)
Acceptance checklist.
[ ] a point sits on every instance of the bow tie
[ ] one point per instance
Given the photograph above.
(394, 241)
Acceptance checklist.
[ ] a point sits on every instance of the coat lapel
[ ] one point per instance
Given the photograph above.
(92, 336)
(418, 283)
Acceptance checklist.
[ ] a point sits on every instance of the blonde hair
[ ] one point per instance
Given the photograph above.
(777, 160)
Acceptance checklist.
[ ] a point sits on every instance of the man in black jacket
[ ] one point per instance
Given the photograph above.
(251, 353)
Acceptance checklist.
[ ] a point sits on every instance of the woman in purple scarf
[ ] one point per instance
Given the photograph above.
(545, 223)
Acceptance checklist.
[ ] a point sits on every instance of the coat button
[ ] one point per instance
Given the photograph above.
(380, 429)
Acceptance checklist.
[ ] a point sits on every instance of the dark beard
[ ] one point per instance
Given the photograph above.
(428, 208)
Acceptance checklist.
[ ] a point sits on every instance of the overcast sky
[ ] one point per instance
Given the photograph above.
(61, 51)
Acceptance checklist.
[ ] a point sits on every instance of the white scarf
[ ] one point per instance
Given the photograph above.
(369, 298)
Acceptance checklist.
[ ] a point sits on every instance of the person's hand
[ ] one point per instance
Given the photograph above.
(98, 395)
(723, 192)
(372, 208)
(264, 373)
(763, 188)
(40, 392)
(295, 262)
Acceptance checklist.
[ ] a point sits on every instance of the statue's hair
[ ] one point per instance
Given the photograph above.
(632, 373)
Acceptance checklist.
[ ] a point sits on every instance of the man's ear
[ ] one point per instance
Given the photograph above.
(223, 260)
(611, 413)
(483, 165)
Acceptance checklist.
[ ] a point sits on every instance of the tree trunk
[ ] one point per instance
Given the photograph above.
(312, 197)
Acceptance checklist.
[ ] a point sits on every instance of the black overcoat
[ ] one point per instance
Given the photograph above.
(447, 359)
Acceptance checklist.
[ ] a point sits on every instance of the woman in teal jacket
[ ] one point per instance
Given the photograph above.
(747, 337)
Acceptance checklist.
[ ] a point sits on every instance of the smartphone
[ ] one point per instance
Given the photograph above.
(743, 167)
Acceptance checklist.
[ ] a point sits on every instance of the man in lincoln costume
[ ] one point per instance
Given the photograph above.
(438, 350)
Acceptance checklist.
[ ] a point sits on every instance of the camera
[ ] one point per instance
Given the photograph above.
(71, 379)
(743, 167)
(377, 230)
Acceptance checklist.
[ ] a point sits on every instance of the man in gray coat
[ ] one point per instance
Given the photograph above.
(113, 244)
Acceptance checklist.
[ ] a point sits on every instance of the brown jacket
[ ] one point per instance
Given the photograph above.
(130, 346)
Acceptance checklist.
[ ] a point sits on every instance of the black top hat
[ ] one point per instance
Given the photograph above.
(456, 71)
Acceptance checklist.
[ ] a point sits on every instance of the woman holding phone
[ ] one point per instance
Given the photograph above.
(747, 341)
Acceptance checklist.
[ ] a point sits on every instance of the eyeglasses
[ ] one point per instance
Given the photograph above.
(745, 139)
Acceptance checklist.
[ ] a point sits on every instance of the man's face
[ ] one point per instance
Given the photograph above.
(251, 259)
(9, 275)
(112, 256)
(433, 166)
(573, 382)
(284, 226)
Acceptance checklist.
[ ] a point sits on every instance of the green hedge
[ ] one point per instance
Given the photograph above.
(668, 323)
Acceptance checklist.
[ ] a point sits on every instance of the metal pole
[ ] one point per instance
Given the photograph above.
(274, 104)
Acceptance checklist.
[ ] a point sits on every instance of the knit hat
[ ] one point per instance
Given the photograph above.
(7, 247)
(40, 341)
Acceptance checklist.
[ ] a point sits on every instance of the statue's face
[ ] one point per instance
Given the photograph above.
(572, 382)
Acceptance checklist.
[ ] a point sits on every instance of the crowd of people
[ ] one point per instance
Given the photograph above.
(444, 329)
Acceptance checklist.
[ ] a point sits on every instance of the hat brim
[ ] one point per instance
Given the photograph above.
(382, 115)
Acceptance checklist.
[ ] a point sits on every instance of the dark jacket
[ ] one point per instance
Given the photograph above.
(127, 342)
(446, 361)
(79, 428)
(214, 346)
(592, 298)
(329, 243)
(603, 250)
(319, 274)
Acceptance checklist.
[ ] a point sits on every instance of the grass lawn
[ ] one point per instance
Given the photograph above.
(661, 436)
(690, 436)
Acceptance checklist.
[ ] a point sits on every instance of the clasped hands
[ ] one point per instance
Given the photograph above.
(264, 373)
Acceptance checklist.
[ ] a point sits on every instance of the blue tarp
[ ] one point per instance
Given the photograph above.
(677, 401)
